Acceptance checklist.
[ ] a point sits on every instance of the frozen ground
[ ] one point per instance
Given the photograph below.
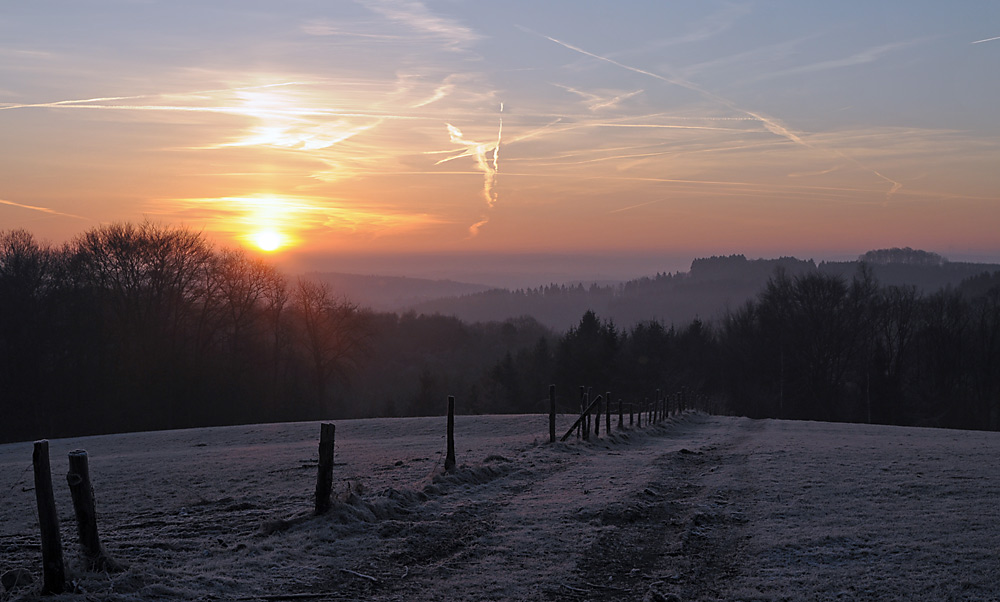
(698, 508)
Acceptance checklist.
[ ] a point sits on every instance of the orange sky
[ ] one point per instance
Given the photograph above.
(418, 127)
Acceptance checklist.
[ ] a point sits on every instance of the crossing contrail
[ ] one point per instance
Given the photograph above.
(480, 151)
(773, 125)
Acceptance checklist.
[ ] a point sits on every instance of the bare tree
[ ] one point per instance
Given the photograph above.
(332, 334)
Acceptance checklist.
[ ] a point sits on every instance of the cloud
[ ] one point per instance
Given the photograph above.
(772, 124)
(327, 28)
(420, 19)
(440, 92)
(868, 55)
(298, 217)
(596, 102)
(987, 40)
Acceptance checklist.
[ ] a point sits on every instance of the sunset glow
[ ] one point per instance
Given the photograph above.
(268, 240)
(391, 126)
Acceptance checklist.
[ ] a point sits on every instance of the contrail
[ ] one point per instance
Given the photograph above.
(479, 151)
(772, 125)
(987, 40)
(42, 209)
(496, 149)
(83, 101)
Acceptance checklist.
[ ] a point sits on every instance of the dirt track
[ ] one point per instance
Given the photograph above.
(700, 508)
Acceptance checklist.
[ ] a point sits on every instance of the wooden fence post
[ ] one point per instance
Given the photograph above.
(552, 413)
(580, 420)
(449, 460)
(638, 415)
(583, 406)
(53, 571)
(324, 474)
(597, 419)
(621, 415)
(84, 505)
(631, 415)
(607, 414)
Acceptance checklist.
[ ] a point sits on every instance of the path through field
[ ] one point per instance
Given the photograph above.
(697, 508)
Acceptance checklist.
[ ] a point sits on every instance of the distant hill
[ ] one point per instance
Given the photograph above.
(711, 287)
(392, 293)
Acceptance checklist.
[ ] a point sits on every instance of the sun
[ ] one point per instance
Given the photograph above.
(268, 240)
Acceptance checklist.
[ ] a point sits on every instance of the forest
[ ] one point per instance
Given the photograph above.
(711, 287)
(144, 327)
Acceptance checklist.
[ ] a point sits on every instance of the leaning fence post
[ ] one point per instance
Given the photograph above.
(53, 571)
(621, 415)
(82, 493)
(552, 413)
(449, 460)
(583, 405)
(580, 420)
(324, 474)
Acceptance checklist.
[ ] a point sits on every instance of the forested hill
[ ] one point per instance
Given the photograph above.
(712, 286)
(392, 293)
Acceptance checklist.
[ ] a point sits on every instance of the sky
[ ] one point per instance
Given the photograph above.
(332, 133)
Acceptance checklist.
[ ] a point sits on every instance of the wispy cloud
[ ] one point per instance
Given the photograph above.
(337, 29)
(420, 19)
(869, 55)
(294, 216)
(440, 92)
(596, 102)
(713, 26)
(773, 125)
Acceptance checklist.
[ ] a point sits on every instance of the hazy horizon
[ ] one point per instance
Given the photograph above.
(530, 270)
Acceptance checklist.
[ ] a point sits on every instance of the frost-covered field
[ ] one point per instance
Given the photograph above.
(697, 508)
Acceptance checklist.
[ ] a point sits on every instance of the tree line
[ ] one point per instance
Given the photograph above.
(822, 348)
(811, 346)
(137, 327)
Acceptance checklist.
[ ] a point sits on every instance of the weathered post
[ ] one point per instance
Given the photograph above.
(607, 413)
(324, 475)
(621, 415)
(583, 406)
(53, 571)
(449, 460)
(597, 419)
(631, 414)
(656, 407)
(638, 416)
(84, 505)
(552, 413)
